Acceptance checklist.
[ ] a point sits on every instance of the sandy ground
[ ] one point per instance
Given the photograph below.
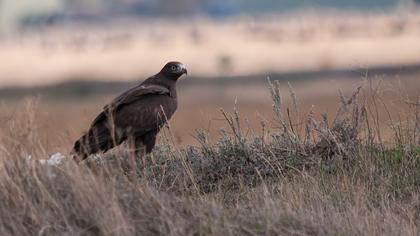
(127, 50)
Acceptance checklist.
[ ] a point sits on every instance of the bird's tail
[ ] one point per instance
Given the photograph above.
(82, 148)
(97, 139)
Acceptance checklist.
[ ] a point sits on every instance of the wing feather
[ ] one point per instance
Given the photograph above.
(128, 97)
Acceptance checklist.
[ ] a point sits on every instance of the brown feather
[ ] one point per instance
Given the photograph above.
(139, 112)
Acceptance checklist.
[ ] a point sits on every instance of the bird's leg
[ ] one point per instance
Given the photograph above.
(149, 141)
(132, 158)
(140, 151)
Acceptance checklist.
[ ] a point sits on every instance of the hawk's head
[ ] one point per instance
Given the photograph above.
(174, 69)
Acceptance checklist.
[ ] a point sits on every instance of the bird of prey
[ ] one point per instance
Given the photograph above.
(137, 114)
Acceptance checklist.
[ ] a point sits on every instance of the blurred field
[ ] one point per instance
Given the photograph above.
(127, 49)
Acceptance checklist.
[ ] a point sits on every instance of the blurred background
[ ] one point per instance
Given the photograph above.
(74, 56)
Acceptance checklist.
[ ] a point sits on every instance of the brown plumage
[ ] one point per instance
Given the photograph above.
(138, 113)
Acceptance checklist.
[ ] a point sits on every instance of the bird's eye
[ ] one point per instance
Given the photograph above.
(173, 68)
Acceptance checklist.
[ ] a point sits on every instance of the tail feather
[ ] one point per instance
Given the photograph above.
(97, 139)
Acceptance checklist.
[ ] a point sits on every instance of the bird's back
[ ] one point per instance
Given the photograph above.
(146, 114)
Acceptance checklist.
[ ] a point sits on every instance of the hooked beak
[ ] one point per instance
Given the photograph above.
(184, 70)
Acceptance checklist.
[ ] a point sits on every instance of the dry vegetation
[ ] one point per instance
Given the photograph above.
(300, 175)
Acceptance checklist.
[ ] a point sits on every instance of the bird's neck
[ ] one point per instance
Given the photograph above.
(164, 82)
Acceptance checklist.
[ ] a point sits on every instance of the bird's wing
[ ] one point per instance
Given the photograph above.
(128, 97)
(134, 94)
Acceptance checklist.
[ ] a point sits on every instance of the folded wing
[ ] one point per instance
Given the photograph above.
(104, 132)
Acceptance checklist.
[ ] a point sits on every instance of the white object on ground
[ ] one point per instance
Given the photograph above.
(55, 159)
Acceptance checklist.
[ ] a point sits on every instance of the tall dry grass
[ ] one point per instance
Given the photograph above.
(307, 176)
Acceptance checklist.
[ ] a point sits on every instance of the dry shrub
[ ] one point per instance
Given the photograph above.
(316, 177)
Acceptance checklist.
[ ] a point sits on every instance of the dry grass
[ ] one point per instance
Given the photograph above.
(301, 175)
